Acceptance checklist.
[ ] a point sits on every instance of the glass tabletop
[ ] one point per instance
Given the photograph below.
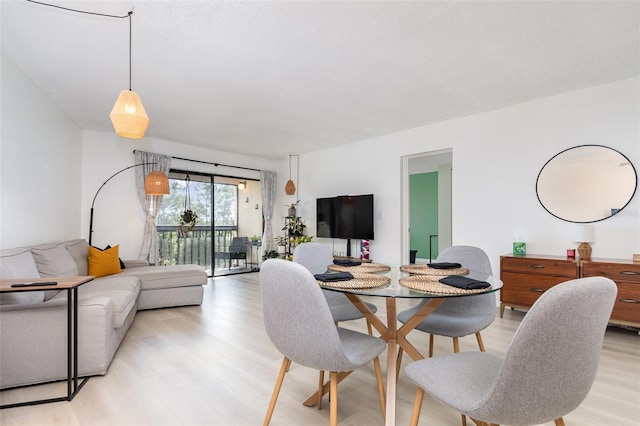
(395, 289)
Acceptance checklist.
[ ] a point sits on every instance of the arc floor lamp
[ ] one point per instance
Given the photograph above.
(156, 183)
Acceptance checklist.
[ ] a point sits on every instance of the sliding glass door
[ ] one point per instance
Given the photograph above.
(221, 207)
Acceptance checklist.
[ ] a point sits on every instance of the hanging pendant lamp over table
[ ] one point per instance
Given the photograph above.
(128, 116)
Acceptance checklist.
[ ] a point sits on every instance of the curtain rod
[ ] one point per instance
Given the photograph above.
(214, 164)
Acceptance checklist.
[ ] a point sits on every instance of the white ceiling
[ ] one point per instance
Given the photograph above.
(270, 78)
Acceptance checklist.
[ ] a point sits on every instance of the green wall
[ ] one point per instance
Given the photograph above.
(423, 220)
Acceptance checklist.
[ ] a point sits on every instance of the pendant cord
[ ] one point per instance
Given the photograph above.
(130, 13)
(81, 11)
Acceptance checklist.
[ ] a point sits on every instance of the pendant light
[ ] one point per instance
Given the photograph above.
(290, 187)
(128, 116)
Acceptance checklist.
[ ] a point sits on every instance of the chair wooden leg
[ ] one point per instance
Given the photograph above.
(274, 397)
(417, 406)
(369, 328)
(430, 345)
(333, 399)
(480, 342)
(320, 387)
(383, 401)
(464, 420)
(456, 345)
(559, 422)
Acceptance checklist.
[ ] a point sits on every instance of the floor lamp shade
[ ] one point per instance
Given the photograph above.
(156, 183)
(128, 116)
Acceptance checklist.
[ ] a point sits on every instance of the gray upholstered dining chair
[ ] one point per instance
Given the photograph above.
(316, 257)
(299, 323)
(463, 316)
(548, 368)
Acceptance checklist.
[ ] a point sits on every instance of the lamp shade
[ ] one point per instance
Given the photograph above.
(584, 234)
(289, 188)
(128, 116)
(156, 183)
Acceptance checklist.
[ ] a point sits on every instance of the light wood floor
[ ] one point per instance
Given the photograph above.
(214, 365)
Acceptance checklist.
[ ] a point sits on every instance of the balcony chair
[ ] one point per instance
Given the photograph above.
(548, 368)
(300, 325)
(237, 251)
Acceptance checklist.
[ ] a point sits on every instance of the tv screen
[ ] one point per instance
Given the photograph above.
(345, 217)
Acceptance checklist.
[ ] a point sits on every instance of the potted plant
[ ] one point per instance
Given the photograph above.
(281, 243)
(269, 254)
(292, 208)
(188, 220)
(295, 227)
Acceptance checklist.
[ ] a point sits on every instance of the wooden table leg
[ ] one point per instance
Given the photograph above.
(392, 353)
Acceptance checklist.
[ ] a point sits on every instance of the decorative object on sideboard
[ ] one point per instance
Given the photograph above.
(155, 181)
(571, 253)
(584, 234)
(636, 258)
(128, 116)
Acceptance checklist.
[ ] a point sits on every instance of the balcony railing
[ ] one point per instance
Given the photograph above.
(196, 248)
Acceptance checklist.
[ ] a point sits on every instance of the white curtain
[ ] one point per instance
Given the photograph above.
(268, 184)
(150, 203)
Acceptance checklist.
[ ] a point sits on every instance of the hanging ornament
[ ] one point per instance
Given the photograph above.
(188, 218)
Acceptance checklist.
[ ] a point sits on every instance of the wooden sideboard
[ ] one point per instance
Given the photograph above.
(525, 278)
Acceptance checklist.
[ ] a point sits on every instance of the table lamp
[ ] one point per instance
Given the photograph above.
(584, 234)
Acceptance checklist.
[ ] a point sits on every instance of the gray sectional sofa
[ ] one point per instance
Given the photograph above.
(33, 324)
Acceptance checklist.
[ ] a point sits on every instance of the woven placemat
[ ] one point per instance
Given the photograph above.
(420, 269)
(360, 280)
(429, 284)
(365, 267)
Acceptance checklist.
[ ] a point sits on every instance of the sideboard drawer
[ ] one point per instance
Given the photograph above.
(627, 306)
(523, 290)
(560, 268)
(615, 271)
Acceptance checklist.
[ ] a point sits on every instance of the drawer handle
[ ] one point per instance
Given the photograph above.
(534, 266)
(629, 301)
(537, 290)
(629, 273)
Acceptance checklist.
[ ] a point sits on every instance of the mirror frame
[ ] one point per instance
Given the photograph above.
(595, 220)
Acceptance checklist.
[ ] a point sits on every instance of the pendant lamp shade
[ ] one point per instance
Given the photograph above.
(128, 116)
(156, 183)
(290, 188)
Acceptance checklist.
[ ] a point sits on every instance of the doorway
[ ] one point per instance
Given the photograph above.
(427, 205)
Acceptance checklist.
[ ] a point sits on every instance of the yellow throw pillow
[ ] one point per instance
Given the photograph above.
(104, 262)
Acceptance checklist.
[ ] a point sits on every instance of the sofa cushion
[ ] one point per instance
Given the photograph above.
(122, 291)
(54, 260)
(79, 250)
(104, 262)
(156, 277)
(19, 263)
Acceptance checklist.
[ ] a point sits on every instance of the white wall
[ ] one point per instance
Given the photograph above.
(40, 168)
(496, 158)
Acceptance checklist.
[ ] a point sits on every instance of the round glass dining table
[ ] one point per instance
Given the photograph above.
(391, 290)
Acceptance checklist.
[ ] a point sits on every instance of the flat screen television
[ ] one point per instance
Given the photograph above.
(346, 216)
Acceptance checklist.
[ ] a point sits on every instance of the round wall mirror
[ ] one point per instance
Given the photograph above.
(586, 183)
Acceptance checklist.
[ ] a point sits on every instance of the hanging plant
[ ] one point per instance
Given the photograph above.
(188, 217)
